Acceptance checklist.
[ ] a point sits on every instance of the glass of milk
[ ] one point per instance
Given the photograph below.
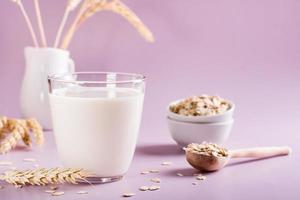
(96, 118)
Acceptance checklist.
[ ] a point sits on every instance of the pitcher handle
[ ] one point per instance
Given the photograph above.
(71, 65)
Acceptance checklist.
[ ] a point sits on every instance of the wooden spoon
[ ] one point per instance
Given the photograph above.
(213, 163)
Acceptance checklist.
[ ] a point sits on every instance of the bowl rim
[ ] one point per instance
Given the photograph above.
(201, 123)
(193, 118)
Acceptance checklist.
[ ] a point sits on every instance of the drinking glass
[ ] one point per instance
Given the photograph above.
(96, 118)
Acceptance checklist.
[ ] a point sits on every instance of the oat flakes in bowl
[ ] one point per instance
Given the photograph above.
(202, 109)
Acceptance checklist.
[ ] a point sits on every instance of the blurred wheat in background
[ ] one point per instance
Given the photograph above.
(87, 9)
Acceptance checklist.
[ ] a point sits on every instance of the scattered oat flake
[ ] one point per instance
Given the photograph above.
(194, 183)
(153, 188)
(155, 180)
(166, 163)
(49, 191)
(144, 188)
(56, 193)
(145, 172)
(129, 194)
(200, 177)
(82, 192)
(29, 160)
(18, 186)
(154, 171)
(179, 174)
(1, 187)
(5, 163)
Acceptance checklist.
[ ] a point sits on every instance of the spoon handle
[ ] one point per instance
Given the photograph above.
(260, 152)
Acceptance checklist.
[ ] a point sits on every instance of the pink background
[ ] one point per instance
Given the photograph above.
(244, 50)
(247, 51)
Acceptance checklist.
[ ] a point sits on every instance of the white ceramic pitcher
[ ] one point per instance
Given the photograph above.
(41, 62)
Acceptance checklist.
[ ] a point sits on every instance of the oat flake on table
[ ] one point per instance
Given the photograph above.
(82, 192)
(29, 160)
(50, 191)
(144, 188)
(154, 171)
(166, 163)
(129, 194)
(56, 193)
(179, 174)
(155, 180)
(5, 163)
(201, 177)
(153, 188)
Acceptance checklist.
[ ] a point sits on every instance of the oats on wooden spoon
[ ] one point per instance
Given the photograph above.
(212, 157)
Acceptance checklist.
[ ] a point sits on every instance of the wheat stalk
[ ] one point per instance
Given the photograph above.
(40, 22)
(72, 5)
(115, 6)
(28, 22)
(44, 176)
(69, 35)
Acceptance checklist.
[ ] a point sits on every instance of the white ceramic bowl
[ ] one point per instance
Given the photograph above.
(227, 116)
(185, 133)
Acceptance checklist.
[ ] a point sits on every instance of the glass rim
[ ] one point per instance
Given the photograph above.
(59, 77)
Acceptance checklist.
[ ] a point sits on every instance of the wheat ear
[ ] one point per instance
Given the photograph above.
(12, 139)
(72, 5)
(3, 122)
(36, 129)
(43, 176)
(3, 125)
(14, 130)
(93, 9)
(25, 136)
(27, 20)
(120, 8)
(40, 22)
(26, 139)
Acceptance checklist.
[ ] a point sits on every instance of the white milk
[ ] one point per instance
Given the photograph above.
(96, 128)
